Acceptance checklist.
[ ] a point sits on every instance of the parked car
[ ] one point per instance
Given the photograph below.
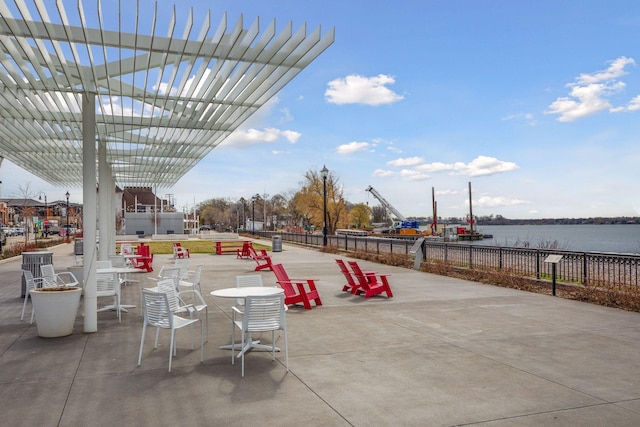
(205, 228)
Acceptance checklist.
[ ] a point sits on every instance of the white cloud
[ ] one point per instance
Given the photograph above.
(496, 201)
(246, 137)
(529, 118)
(352, 147)
(413, 175)
(435, 167)
(615, 70)
(407, 161)
(589, 93)
(356, 89)
(383, 173)
(483, 165)
(480, 166)
(634, 105)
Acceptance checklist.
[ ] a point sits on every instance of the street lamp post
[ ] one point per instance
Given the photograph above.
(46, 218)
(324, 173)
(253, 213)
(67, 233)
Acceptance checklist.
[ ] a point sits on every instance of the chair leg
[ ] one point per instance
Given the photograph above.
(201, 342)
(273, 345)
(286, 350)
(144, 328)
(243, 352)
(233, 339)
(171, 347)
(24, 305)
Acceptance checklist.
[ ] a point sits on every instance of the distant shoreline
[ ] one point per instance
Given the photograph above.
(500, 220)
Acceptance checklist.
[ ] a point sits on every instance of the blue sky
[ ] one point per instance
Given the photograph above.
(536, 103)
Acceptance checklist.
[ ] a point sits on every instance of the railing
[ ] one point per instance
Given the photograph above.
(592, 268)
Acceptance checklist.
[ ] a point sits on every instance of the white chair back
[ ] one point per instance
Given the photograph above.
(247, 280)
(183, 265)
(156, 309)
(264, 313)
(104, 264)
(49, 275)
(167, 286)
(117, 261)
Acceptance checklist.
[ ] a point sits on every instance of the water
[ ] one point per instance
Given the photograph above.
(620, 238)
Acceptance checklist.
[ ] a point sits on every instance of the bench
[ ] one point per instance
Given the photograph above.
(228, 246)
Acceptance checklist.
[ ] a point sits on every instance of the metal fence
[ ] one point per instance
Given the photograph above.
(592, 268)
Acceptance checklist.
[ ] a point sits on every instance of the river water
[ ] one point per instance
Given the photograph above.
(620, 238)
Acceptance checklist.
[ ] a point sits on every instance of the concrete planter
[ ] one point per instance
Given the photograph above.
(56, 310)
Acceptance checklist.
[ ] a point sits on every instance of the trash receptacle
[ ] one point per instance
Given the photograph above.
(276, 243)
(78, 246)
(31, 261)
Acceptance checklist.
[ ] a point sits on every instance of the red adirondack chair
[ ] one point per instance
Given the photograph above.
(370, 283)
(180, 252)
(145, 258)
(262, 259)
(244, 251)
(294, 289)
(351, 285)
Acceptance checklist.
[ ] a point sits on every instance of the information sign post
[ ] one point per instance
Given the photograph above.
(553, 260)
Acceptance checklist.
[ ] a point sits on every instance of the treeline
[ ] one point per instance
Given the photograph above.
(500, 220)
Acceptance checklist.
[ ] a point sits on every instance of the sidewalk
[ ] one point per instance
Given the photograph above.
(442, 352)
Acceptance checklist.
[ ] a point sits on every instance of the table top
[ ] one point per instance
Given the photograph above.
(120, 270)
(246, 291)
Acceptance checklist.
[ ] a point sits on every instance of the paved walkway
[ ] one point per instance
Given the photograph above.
(442, 352)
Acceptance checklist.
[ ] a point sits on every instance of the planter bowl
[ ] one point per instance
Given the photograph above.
(56, 310)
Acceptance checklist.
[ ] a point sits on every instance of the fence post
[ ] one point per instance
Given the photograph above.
(538, 264)
(585, 274)
(500, 258)
(470, 256)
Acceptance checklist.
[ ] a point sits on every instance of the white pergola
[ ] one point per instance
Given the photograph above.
(85, 102)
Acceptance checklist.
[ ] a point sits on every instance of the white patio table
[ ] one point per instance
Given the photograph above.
(119, 271)
(245, 292)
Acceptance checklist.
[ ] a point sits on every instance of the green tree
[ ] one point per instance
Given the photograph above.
(308, 201)
(360, 215)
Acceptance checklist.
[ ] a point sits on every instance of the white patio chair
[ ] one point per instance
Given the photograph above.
(183, 265)
(52, 279)
(30, 283)
(165, 273)
(108, 285)
(178, 304)
(193, 282)
(246, 281)
(157, 313)
(261, 314)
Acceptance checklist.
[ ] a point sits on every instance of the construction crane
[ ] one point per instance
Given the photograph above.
(401, 222)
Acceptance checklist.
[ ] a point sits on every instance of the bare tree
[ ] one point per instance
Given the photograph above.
(27, 212)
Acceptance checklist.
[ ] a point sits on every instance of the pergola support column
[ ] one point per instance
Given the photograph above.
(89, 211)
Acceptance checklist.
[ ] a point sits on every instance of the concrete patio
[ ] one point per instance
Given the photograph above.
(442, 352)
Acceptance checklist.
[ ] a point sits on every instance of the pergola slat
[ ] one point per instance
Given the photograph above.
(163, 101)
